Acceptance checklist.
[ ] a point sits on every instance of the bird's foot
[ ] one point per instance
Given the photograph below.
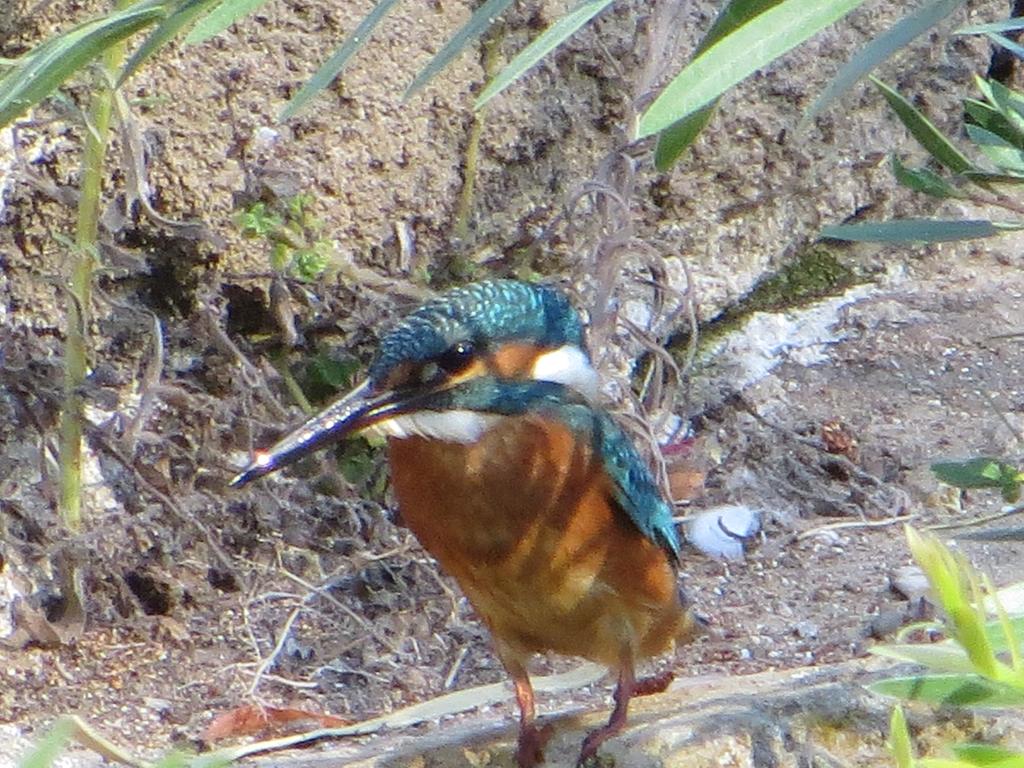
(594, 741)
(648, 686)
(530, 749)
(628, 688)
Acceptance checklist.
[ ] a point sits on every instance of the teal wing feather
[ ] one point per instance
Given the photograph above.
(636, 491)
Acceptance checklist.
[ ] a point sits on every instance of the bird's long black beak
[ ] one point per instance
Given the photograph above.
(345, 416)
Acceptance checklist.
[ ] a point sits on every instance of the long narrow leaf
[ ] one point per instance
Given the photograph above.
(899, 739)
(546, 42)
(47, 750)
(482, 18)
(738, 55)
(166, 30)
(984, 178)
(983, 114)
(923, 180)
(1008, 102)
(957, 690)
(943, 657)
(675, 139)
(884, 45)
(220, 18)
(991, 755)
(922, 129)
(976, 472)
(997, 26)
(1013, 47)
(44, 69)
(338, 61)
(916, 230)
(1003, 154)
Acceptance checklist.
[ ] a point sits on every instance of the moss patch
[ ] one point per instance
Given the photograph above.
(816, 273)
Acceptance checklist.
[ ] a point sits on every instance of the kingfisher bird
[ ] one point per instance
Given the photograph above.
(520, 484)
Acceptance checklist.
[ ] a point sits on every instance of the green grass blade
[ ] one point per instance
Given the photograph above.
(482, 18)
(546, 42)
(166, 30)
(752, 46)
(985, 179)
(899, 740)
(338, 60)
(992, 119)
(44, 69)
(977, 472)
(675, 139)
(922, 129)
(957, 690)
(220, 18)
(884, 45)
(334, 66)
(916, 230)
(45, 752)
(997, 26)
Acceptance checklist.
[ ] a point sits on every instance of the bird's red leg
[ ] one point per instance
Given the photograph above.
(623, 693)
(530, 748)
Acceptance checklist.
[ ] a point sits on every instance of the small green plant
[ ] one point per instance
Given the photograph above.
(982, 472)
(979, 665)
(293, 233)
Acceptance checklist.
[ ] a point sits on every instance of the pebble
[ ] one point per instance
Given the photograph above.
(885, 623)
(721, 531)
(910, 581)
(807, 630)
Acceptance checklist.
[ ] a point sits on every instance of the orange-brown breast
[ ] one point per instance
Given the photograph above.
(525, 521)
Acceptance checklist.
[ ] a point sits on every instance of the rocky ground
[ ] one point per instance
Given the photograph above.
(181, 599)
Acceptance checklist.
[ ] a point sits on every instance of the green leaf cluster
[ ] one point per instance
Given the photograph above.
(747, 36)
(293, 234)
(994, 124)
(979, 666)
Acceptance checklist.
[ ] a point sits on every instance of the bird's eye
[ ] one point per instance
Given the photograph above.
(457, 357)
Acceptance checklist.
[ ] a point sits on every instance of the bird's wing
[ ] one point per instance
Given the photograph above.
(635, 489)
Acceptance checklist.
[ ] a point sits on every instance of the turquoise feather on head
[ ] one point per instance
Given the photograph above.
(491, 312)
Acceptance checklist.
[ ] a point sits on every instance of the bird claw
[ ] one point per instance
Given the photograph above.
(530, 748)
(644, 687)
(592, 743)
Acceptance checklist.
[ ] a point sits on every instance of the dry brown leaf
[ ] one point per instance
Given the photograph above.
(253, 718)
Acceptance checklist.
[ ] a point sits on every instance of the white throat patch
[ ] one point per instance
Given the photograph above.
(459, 426)
(569, 366)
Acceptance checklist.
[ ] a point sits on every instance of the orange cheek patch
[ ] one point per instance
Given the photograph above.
(474, 370)
(514, 360)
